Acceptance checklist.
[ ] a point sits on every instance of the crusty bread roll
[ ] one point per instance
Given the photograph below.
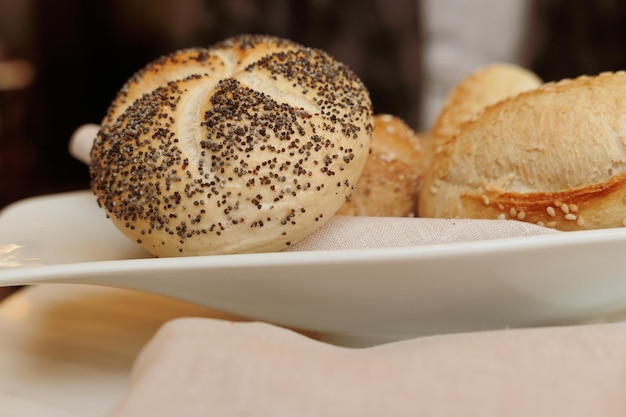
(482, 88)
(247, 146)
(389, 184)
(554, 156)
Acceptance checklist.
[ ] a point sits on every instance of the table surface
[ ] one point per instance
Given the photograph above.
(67, 350)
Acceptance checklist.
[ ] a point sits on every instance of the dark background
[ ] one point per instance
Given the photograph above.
(83, 51)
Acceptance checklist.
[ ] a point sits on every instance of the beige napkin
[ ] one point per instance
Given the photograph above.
(345, 232)
(206, 367)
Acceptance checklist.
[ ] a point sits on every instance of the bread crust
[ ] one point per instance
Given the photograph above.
(480, 89)
(388, 186)
(246, 146)
(555, 156)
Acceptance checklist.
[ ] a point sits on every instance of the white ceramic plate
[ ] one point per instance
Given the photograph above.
(349, 296)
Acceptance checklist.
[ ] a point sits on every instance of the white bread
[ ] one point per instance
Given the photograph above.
(247, 146)
(482, 88)
(554, 156)
(389, 184)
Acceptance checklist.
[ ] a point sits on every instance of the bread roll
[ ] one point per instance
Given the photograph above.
(389, 184)
(246, 146)
(554, 156)
(482, 88)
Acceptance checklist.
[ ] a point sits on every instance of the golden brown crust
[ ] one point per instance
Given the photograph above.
(554, 156)
(247, 146)
(590, 207)
(482, 88)
(389, 184)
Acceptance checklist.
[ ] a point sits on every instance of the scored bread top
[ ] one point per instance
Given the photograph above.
(246, 146)
(555, 155)
(482, 88)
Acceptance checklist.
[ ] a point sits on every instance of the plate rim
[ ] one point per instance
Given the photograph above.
(388, 254)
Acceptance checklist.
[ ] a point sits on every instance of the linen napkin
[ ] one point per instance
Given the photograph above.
(207, 367)
(345, 232)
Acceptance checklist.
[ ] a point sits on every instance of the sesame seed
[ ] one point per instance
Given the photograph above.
(580, 222)
(501, 216)
(570, 216)
(513, 212)
(551, 224)
(564, 208)
(521, 215)
(485, 200)
(390, 129)
(550, 210)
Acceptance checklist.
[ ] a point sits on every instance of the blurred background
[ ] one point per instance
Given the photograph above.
(62, 61)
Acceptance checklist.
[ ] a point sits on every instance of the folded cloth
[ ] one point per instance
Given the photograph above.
(202, 367)
(345, 232)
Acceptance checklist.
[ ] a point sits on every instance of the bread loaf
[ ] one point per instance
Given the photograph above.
(554, 156)
(246, 146)
(482, 88)
(389, 184)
